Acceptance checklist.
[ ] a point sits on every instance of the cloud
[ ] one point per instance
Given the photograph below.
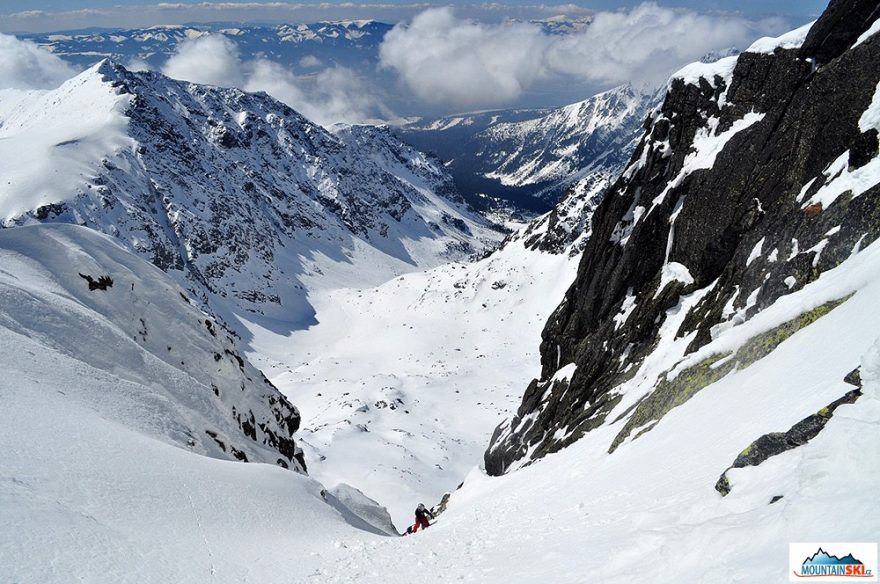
(310, 61)
(445, 59)
(330, 96)
(334, 95)
(137, 64)
(647, 43)
(25, 65)
(211, 59)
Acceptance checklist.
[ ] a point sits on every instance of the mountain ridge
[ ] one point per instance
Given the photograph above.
(216, 186)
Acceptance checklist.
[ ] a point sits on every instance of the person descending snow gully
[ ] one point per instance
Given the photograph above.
(422, 514)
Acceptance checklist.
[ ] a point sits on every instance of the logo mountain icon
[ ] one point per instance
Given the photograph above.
(824, 558)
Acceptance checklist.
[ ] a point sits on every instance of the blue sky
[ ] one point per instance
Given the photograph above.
(50, 15)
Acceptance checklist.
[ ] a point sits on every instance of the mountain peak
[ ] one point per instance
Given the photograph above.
(107, 69)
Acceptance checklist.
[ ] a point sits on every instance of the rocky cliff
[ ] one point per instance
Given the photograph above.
(757, 174)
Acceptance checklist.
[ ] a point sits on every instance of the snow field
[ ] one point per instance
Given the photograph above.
(453, 345)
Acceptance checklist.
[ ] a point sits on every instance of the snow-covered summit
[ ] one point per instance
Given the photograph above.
(234, 194)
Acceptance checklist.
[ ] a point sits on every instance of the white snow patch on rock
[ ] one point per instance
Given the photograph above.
(841, 180)
(872, 30)
(673, 272)
(790, 40)
(626, 309)
(691, 74)
(870, 118)
(756, 252)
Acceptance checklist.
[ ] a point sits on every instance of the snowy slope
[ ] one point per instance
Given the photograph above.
(135, 509)
(88, 495)
(235, 195)
(560, 145)
(649, 512)
(161, 367)
(400, 385)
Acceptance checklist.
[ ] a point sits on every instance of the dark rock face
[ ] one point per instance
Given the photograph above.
(832, 34)
(775, 443)
(740, 231)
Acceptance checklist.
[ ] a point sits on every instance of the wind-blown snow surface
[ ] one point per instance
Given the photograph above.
(423, 367)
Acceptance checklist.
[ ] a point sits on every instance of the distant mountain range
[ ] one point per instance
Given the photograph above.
(305, 49)
(345, 43)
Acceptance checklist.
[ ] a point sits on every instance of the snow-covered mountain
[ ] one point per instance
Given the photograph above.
(454, 342)
(532, 157)
(562, 146)
(245, 203)
(746, 214)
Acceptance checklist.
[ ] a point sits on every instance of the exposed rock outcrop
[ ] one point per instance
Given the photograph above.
(739, 193)
(770, 445)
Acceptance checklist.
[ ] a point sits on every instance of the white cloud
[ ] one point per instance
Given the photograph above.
(310, 61)
(210, 59)
(646, 44)
(331, 96)
(340, 96)
(137, 64)
(445, 59)
(25, 65)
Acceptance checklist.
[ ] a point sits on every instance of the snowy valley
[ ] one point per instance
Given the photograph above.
(237, 346)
